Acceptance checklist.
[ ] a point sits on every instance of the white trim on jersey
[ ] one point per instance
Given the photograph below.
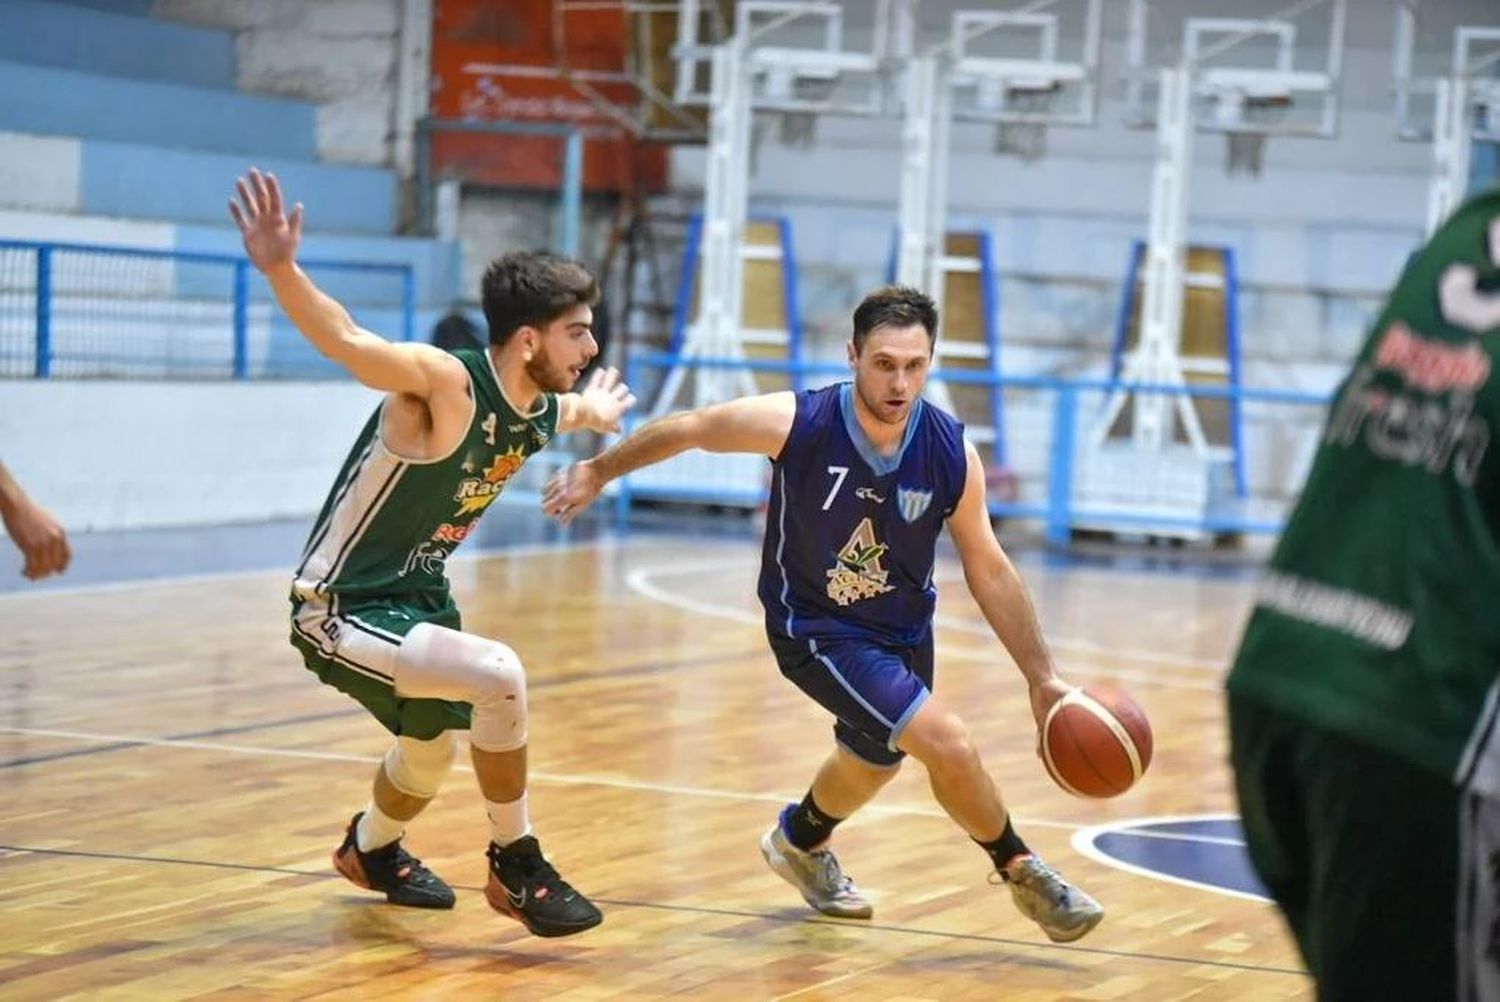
(504, 396)
(372, 629)
(786, 583)
(321, 529)
(462, 438)
(384, 650)
(1478, 768)
(369, 489)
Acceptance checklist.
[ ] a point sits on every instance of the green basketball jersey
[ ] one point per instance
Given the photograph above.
(390, 523)
(1379, 616)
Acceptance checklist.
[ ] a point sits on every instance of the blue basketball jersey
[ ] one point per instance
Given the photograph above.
(851, 536)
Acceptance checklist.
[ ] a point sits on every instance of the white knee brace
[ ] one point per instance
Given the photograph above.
(434, 662)
(418, 768)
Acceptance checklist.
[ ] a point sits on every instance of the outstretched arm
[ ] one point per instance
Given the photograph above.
(271, 238)
(749, 424)
(33, 529)
(1000, 592)
(598, 407)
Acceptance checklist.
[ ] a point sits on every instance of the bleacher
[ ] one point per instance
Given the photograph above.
(119, 129)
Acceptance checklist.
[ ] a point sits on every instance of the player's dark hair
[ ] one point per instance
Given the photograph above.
(894, 306)
(532, 289)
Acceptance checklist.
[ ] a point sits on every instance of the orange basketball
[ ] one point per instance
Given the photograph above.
(1096, 742)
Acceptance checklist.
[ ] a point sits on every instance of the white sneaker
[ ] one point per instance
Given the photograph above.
(1041, 894)
(816, 874)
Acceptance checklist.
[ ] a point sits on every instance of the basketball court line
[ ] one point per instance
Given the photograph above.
(554, 682)
(609, 543)
(640, 581)
(775, 916)
(1084, 838)
(586, 779)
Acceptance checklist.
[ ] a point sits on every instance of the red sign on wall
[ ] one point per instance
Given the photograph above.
(493, 60)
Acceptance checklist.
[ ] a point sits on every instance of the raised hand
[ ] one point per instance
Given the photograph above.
(605, 400)
(570, 491)
(271, 237)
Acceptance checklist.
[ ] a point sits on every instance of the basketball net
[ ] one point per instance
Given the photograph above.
(1026, 140)
(1244, 153)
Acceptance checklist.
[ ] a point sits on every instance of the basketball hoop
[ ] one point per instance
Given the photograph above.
(1245, 149)
(1026, 137)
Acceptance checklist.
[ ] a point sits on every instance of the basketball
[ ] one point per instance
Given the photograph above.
(1096, 742)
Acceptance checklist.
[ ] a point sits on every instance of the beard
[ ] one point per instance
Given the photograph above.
(552, 378)
(877, 408)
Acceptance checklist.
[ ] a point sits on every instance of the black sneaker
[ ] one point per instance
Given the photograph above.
(524, 886)
(393, 870)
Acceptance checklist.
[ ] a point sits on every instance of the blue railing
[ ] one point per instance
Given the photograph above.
(77, 309)
(1062, 481)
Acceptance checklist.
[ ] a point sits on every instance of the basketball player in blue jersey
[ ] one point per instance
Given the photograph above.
(372, 611)
(866, 474)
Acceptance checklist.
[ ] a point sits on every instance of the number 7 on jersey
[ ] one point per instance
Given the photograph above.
(838, 473)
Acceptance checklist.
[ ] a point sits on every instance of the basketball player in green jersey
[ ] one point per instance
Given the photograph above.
(1363, 700)
(371, 609)
(41, 540)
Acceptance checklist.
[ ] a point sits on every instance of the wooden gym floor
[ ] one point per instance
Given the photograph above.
(174, 782)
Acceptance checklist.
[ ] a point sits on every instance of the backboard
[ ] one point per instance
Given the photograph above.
(1032, 62)
(1455, 40)
(800, 57)
(1269, 70)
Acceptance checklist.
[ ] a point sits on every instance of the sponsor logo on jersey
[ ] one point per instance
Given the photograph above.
(1368, 619)
(1430, 365)
(1438, 434)
(868, 493)
(912, 503)
(426, 557)
(859, 573)
(475, 494)
(449, 532)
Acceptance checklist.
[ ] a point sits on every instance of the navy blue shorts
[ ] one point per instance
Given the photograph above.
(873, 689)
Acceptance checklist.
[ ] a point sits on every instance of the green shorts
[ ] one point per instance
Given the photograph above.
(1367, 856)
(355, 652)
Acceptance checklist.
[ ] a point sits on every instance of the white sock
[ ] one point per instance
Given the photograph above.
(508, 821)
(376, 829)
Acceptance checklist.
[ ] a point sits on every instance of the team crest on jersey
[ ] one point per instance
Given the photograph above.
(912, 503)
(475, 494)
(859, 573)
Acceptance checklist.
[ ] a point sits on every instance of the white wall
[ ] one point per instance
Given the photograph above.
(108, 455)
(340, 53)
(40, 172)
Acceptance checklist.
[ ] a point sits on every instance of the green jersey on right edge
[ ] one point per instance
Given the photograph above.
(1379, 616)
